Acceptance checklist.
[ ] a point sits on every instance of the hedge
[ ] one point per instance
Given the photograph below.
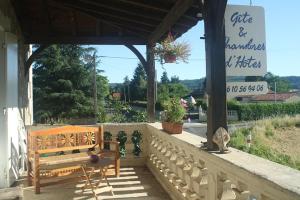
(262, 110)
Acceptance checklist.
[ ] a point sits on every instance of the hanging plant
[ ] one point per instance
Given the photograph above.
(170, 51)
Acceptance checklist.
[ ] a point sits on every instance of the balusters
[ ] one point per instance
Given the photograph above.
(179, 169)
(173, 160)
(167, 164)
(225, 188)
(242, 191)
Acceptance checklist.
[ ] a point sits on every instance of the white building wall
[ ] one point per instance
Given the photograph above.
(15, 97)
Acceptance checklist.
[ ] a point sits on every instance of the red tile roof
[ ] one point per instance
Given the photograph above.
(271, 96)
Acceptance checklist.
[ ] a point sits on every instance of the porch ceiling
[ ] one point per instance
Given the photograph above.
(104, 22)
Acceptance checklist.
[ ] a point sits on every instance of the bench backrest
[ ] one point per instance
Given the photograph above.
(65, 138)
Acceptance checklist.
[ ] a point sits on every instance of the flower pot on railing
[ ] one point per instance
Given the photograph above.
(172, 128)
(172, 116)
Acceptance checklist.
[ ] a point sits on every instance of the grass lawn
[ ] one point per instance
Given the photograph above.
(275, 139)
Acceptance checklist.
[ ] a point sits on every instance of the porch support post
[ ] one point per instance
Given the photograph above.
(150, 83)
(34, 56)
(215, 67)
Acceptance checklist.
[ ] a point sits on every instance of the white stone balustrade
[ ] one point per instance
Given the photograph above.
(189, 173)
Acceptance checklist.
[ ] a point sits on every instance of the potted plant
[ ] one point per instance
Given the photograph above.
(170, 51)
(172, 117)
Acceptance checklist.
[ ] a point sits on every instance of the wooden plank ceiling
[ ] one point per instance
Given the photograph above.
(104, 21)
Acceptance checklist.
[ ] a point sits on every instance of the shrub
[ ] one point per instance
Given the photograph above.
(174, 111)
(257, 111)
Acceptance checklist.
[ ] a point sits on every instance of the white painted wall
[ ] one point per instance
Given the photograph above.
(3, 123)
(15, 106)
(12, 110)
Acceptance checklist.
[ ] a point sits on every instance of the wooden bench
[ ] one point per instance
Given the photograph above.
(51, 153)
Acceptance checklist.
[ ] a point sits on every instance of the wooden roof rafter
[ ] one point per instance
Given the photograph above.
(147, 21)
(155, 7)
(102, 13)
(136, 13)
(180, 7)
(138, 31)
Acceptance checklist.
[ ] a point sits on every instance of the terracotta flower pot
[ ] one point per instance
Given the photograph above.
(172, 128)
(169, 58)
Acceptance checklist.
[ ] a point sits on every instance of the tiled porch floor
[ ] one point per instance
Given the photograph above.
(134, 183)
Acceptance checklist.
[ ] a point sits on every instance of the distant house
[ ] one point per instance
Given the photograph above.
(116, 95)
(270, 97)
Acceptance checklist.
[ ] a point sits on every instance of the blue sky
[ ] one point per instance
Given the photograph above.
(282, 20)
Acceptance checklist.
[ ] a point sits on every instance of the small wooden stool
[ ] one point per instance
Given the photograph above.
(102, 164)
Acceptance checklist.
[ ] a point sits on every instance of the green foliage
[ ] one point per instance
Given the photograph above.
(282, 85)
(172, 90)
(122, 138)
(63, 86)
(124, 113)
(138, 85)
(164, 78)
(293, 80)
(257, 111)
(175, 79)
(170, 47)
(238, 140)
(136, 139)
(174, 111)
(269, 132)
(202, 103)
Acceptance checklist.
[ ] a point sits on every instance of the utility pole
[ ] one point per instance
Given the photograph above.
(275, 87)
(128, 91)
(95, 88)
(124, 93)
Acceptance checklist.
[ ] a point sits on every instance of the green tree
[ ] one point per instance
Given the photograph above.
(138, 84)
(282, 85)
(164, 78)
(63, 84)
(172, 90)
(175, 79)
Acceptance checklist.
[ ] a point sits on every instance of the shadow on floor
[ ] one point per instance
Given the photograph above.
(133, 183)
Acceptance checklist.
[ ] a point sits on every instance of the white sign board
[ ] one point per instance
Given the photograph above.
(245, 41)
(234, 89)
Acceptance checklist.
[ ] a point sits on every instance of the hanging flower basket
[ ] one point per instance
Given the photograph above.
(170, 51)
(169, 58)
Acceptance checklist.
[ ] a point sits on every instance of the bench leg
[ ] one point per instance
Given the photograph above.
(29, 174)
(36, 174)
(117, 167)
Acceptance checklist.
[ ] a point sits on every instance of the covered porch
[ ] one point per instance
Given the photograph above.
(169, 166)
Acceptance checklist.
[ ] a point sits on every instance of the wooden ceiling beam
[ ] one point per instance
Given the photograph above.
(122, 10)
(180, 7)
(47, 16)
(109, 19)
(154, 7)
(84, 40)
(135, 30)
(103, 12)
(134, 13)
